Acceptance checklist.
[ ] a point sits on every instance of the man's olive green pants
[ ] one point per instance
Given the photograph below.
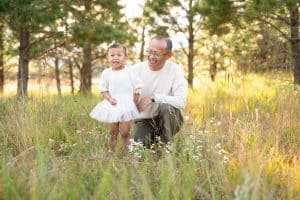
(164, 126)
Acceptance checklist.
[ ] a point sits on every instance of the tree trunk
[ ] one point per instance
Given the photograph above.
(23, 63)
(57, 76)
(86, 70)
(1, 59)
(213, 65)
(294, 17)
(71, 76)
(213, 70)
(191, 47)
(142, 45)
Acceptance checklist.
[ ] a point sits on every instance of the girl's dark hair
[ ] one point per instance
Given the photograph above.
(118, 45)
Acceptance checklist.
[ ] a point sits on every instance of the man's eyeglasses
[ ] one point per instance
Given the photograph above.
(155, 53)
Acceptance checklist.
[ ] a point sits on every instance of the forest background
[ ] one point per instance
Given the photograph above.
(241, 138)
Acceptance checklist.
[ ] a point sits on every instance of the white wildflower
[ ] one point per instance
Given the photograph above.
(50, 141)
(221, 151)
(225, 159)
(218, 146)
(193, 137)
(196, 157)
(136, 148)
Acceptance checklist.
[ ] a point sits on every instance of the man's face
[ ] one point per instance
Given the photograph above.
(157, 53)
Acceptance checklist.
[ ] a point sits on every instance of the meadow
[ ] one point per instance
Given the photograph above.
(240, 140)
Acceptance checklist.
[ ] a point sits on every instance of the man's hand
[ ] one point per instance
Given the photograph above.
(144, 103)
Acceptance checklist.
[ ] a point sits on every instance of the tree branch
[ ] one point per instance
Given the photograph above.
(183, 49)
(174, 21)
(76, 62)
(276, 28)
(182, 6)
(47, 51)
(39, 40)
(198, 26)
(280, 18)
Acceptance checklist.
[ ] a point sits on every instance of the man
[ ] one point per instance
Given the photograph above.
(163, 95)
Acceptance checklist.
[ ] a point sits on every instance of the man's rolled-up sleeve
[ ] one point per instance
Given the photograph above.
(179, 92)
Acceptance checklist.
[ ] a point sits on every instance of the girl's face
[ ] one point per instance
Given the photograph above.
(116, 57)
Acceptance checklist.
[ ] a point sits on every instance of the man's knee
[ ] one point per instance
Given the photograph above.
(145, 139)
(138, 137)
(171, 118)
(169, 111)
(165, 109)
(143, 134)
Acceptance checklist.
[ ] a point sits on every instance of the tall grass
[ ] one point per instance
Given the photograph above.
(241, 140)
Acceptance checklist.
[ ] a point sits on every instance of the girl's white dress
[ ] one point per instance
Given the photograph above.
(121, 85)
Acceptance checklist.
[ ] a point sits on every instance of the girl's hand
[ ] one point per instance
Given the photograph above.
(136, 98)
(113, 101)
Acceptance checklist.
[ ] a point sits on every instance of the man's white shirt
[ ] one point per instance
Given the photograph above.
(167, 85)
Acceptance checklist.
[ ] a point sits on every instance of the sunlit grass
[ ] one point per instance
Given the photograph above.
(241, 140)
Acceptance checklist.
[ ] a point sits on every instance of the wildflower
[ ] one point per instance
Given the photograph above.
(130, 146)
(193, 137)
(136, 148)
(196, 158)
(199, 147)
(50, 141)
(199, 141)
(167, 151)
(225, 159)
(218, 146)
(221, 151)
(78, 131)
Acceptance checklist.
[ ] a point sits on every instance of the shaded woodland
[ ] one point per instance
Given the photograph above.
(69, 38)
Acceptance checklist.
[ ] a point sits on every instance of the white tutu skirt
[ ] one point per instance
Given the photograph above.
(124, 110)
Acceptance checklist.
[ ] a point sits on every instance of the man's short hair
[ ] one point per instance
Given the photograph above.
(118, 45)
(168, 41)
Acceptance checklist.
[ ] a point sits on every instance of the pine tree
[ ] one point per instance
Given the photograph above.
(28, 19)
(219, 14)
(96, 22)
(185, 10)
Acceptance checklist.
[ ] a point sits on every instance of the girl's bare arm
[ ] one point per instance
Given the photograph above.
(136, 98)
(107, 96)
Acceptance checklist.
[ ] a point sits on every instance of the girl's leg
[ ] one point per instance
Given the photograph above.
(113, 129)
(125, 133)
